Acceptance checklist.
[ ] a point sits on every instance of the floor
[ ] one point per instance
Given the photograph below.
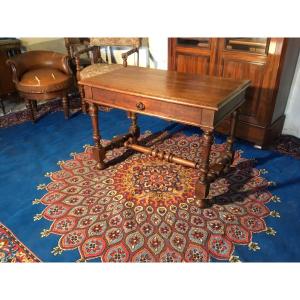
(28, 151)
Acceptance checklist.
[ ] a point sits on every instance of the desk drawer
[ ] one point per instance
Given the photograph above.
(153, 107)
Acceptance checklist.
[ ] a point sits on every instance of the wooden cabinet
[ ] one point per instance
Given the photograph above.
(268, 62)
(8, 48)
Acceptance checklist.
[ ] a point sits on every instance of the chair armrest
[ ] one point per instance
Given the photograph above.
(126, 54)
(84, 50)
(77, 55)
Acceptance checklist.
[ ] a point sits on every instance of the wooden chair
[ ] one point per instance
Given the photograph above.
(77, 44)
(98, 64)
(41, 75)
(72, 45)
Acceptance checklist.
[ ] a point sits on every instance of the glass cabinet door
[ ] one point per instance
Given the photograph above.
(194, 42)
(195, 55)
(253, 45)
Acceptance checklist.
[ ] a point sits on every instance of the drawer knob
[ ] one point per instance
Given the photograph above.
(140, 106)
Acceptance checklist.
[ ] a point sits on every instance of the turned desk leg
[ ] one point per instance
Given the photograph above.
(2, 106)
(134, 129)
(98, 151)
(202, 185)
(230, 138)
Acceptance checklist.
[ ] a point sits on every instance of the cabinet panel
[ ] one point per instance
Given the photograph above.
(246, 70)
(192, 64)
(8, 48)
(6, 84)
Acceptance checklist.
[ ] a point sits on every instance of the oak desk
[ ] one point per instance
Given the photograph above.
(201, 101)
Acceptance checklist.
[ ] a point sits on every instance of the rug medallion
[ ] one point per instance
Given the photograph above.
(142, 209)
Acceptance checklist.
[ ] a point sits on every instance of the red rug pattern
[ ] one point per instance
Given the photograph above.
(143, 210)
(288, 145)
(12, 250)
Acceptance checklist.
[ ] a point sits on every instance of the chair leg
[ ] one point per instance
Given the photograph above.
(83, 103)
(2, 106)
(35, 107)
(65, 102)
(29, 106)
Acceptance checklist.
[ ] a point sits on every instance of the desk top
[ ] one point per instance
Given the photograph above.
(188, 89)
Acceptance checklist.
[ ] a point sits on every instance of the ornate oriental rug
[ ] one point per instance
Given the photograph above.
(287, 144)
(143, 210)
(22, 116)
(12, 250)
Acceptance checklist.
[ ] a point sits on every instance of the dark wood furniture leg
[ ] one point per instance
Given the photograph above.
(29, 106)
(134, 129)
(83, 103)
(34, 105)
(2, 106)
(65, 102)
(98, 150)
(202, 185)
(230, 138)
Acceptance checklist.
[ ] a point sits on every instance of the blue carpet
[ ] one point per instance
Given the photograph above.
(29, 150)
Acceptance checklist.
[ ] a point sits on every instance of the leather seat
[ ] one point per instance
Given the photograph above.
(43, 80)
(98, 69)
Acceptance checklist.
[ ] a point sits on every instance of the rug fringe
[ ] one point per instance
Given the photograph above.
(81, 259)
(234, 259)
(37, 217)
(271, 231)
(57, 251)
(36, 201)
(253, 246)
(263, 171)
(45, 232)
(275, 198)
(41, 186)
(60, 162)
(274, 214)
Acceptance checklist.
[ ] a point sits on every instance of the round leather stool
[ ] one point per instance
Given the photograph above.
(42, 75)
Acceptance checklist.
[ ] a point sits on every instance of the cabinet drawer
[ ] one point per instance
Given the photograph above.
(153, 107)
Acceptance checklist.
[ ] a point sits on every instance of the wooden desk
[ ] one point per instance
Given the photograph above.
(201, 101)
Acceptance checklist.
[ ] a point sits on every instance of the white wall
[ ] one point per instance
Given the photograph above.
(292, 112)
(51, 44)
(153, 54)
